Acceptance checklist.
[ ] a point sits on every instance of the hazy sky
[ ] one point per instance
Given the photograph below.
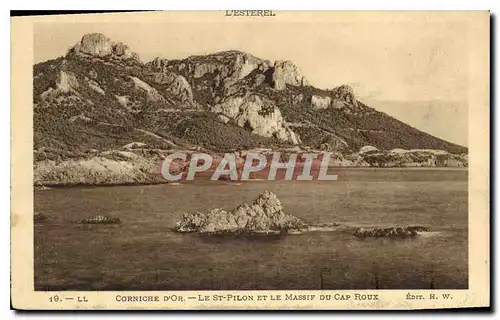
(415, 71)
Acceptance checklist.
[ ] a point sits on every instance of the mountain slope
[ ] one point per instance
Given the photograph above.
(100, 97)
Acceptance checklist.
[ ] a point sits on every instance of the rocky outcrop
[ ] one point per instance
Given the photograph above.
(265, 215)
(176, 84)
(100, 220)
(337, 98)
(157, 64)
(223, 69)
(390, 232)
(319, 102)
(94, 85)
(107, 168)
(296, 98)
(200, 69)
(122, 51)
(135, 145)
(80, 117)
(368, 149)
(123, 101)
(258, 115)
(95, 44)
(418, 229)
(245, 63)
(285, 72)
(66, 82)
(411, 158)
(343, 96)
(228, 66)
(99, 46)
(151, 92)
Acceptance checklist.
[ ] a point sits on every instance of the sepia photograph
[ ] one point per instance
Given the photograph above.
(250, 151)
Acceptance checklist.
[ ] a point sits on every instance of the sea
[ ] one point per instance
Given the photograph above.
(143, 252)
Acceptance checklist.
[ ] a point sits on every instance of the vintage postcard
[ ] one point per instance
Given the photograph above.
(251, 159)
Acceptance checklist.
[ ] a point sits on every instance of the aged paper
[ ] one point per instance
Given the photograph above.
(250, 160)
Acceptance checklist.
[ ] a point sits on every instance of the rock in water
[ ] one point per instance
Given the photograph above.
(265, 215)
(418, 228)
(191, 222)
(389, 232)
(101, 220)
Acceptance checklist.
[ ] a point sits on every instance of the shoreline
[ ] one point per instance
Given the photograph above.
(49, 186)
(40, 186)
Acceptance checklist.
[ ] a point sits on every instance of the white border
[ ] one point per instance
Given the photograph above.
(493, 5)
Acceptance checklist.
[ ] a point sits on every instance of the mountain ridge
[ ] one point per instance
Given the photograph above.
(101, 97)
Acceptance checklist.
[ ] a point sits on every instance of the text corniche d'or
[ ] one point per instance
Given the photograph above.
(250, 13)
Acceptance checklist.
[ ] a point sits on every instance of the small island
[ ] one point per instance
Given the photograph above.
(265, 216)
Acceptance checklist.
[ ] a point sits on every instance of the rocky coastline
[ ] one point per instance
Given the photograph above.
(142, 167)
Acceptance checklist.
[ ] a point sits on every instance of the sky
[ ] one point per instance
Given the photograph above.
(415, 70)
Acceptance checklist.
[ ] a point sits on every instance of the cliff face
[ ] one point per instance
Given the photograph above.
(101, 96)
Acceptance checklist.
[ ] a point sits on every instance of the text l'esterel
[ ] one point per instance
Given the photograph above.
(250, 13)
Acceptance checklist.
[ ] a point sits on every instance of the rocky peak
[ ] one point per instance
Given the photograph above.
(346, 89)
(338, 98)
(224, 73)
(269, 202)
(245, 63)
(227, 66)
(343, 95)
(286, 72)
(99, 46)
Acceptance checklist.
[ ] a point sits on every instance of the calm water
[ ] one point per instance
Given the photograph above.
(144, 254)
